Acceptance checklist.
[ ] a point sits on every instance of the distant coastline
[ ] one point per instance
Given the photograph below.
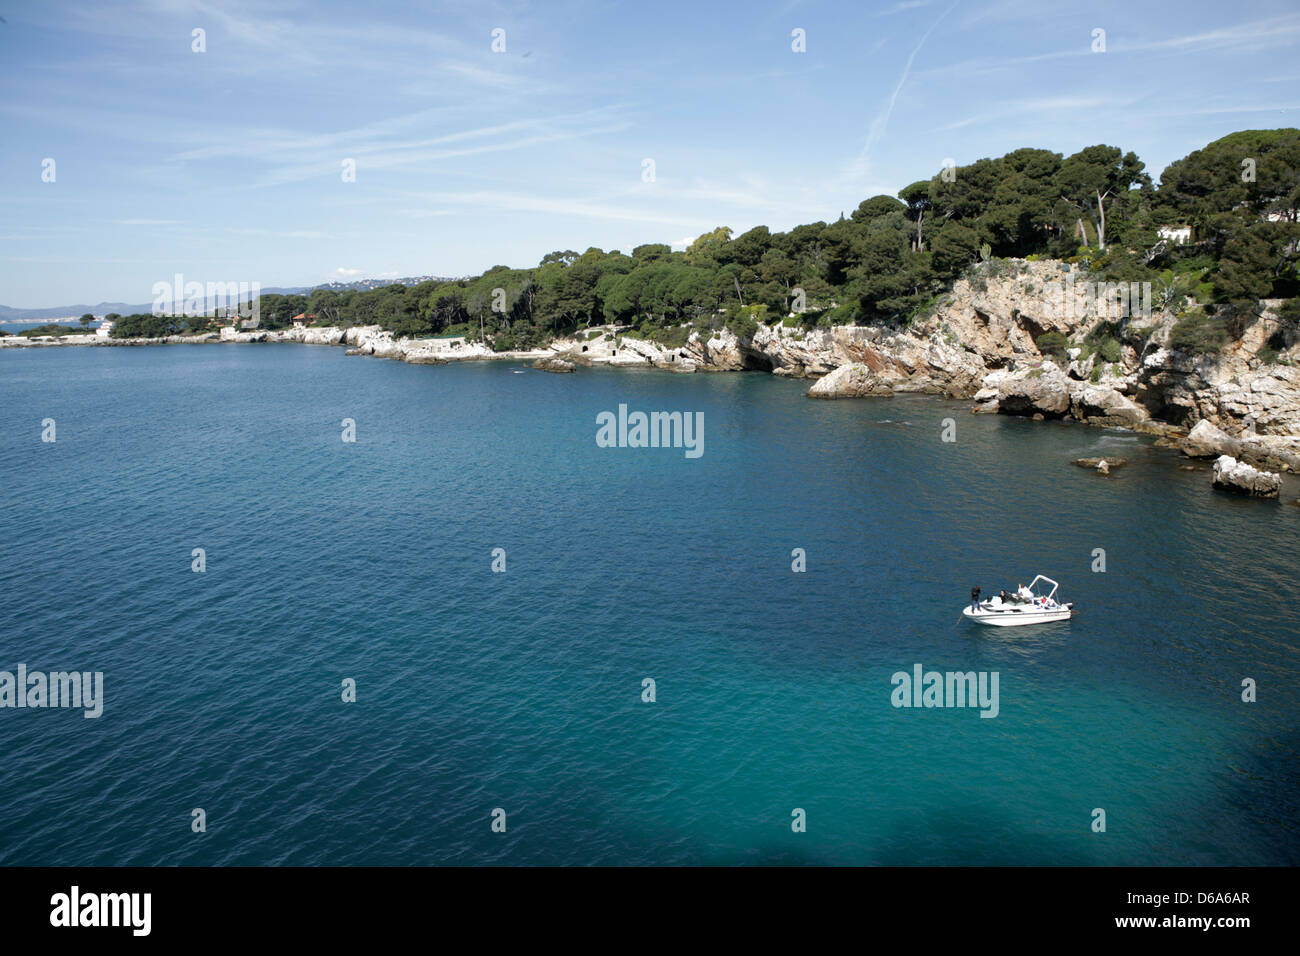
(991, 340)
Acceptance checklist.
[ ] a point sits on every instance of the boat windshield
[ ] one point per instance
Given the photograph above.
(1043, 587)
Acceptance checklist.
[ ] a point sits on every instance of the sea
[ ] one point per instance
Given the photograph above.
(354, 611)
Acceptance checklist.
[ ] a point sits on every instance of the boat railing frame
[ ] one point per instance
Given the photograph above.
(1043, 577)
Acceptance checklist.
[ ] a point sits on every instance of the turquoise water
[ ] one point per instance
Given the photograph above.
(371, 560)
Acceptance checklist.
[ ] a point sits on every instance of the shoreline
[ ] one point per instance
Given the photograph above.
(425, 352)
(978, 343)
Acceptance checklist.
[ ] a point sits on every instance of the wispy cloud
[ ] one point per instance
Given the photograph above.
(1067, 108)
(294, 155)
(580, 207)
(901, 7)
(861, 164)
(1240, 38)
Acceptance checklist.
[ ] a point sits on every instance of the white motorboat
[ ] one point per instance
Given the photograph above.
(1035, 604)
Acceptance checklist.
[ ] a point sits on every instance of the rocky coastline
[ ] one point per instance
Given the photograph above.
(977, 343)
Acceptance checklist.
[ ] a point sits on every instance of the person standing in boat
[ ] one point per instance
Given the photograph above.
(975, 598)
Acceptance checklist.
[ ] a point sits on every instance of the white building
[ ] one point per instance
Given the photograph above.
(104, 329)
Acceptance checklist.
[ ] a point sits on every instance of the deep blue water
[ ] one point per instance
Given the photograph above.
(476, 690)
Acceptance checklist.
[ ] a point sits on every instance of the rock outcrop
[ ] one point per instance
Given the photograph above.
(1096, 463)
(1102, 405)
(1043, 391)
(1241, 478)
(554, 365)
(1208, 441)
(849, 381)
(878, 375)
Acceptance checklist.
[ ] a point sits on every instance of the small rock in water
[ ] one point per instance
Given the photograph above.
(1241, 478)
(554, 365)
(1097, 463)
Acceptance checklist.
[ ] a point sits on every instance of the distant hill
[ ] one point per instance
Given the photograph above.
(9, 314)
(364, 285)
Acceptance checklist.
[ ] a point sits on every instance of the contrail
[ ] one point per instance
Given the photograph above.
(880, 122)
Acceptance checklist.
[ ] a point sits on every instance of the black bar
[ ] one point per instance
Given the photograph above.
(971, 905)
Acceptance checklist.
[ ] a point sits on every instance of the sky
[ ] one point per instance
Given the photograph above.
(591, 124)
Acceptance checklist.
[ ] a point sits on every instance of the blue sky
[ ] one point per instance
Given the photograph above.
(226, 165)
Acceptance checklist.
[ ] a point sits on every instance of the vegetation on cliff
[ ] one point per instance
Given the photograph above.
(892, 257)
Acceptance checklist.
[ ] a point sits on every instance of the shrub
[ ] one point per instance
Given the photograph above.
(1200, 264)
(1120, 266)
(1197, 333)
(53, 328)
(845, 314)
(518, 338)
(923, 311)
(743, 321)
(1101, 341)
(998, 268)
(673, 337)
(144, 326)
(1053, 344)
(742, 325)
(1270, 353)
(1095, 377)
